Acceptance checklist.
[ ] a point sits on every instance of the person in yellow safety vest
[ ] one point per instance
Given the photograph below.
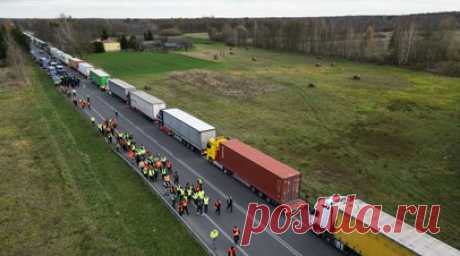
(99, 128)
(163, 172)
(189, 191)
(206, 203)
(195, 197)
(145, 170)
(151, 173)
(93, 120)
(201, 194)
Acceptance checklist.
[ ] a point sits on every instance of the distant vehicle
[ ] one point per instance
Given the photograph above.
(146, 103)
(51, 69)
(56, 80)
(121, 89)
(74, 62)
(85, 68)
(190, 130)
(60, 67)
(276, 181)
(53, 63)
(100, 78)
(43, 62)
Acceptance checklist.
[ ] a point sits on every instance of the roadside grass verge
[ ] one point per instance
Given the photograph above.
(64, 192)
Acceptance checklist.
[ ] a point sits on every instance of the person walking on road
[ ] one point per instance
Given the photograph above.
(236, 234)
(205, 204)
(176, 178)
(173, 198)
(217, 205)
(230, 204)
(231, 251)
(185, 206)
(214, 234)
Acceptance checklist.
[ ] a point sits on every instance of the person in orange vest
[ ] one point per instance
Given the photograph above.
(185, 206)
(169, 165)
(236, 234)
(231, 251)
(217, 205)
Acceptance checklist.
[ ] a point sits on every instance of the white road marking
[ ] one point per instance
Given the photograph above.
(188, 167)
(173, 210)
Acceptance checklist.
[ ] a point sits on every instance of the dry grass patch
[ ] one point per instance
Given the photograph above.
(225, 84)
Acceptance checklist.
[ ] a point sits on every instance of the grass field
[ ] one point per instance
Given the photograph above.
(392, 137)
(62, 190)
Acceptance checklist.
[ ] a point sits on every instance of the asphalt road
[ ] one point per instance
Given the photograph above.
(217, 185)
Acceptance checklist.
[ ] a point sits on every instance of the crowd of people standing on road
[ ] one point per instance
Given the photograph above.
(155, 166)
(151, 165)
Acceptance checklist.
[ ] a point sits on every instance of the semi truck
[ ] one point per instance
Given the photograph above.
(121, 89)
(85, 68)
(55, 52)
(147, 104)
(64, 58)
(100, 78)
(380, 240)
(74, 62)
(188, 129)
(274, 181)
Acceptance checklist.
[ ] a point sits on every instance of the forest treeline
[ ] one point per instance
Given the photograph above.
(424, 41)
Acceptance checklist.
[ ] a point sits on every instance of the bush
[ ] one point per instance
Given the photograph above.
(170, 32)
(450, 68)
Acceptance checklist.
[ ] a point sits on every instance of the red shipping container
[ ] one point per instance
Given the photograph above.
(276, 180)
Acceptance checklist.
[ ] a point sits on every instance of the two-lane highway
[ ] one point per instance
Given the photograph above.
(217, 185)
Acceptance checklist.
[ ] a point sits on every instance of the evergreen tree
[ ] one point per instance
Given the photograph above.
(124, 42)
(132, 43)
(148, 36)
(104, 35)
(2, 44)
(20, 38)
(99, 47)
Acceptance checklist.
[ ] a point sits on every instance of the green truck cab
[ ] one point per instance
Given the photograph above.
(100, 78)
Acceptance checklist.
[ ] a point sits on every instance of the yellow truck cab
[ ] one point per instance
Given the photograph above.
(213, 146)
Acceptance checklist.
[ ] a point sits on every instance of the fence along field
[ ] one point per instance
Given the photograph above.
(390, 137)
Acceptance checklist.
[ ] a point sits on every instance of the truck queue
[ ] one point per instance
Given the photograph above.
(272, 180)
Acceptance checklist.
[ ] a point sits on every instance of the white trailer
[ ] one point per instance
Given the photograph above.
(55, 52)
(85, 68)
(188, 128)
(146, 104)
(65, 58)
(120, 89)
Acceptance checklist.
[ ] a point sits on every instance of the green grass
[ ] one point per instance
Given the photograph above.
(393, 137)
(63, 192)
(126, 64)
